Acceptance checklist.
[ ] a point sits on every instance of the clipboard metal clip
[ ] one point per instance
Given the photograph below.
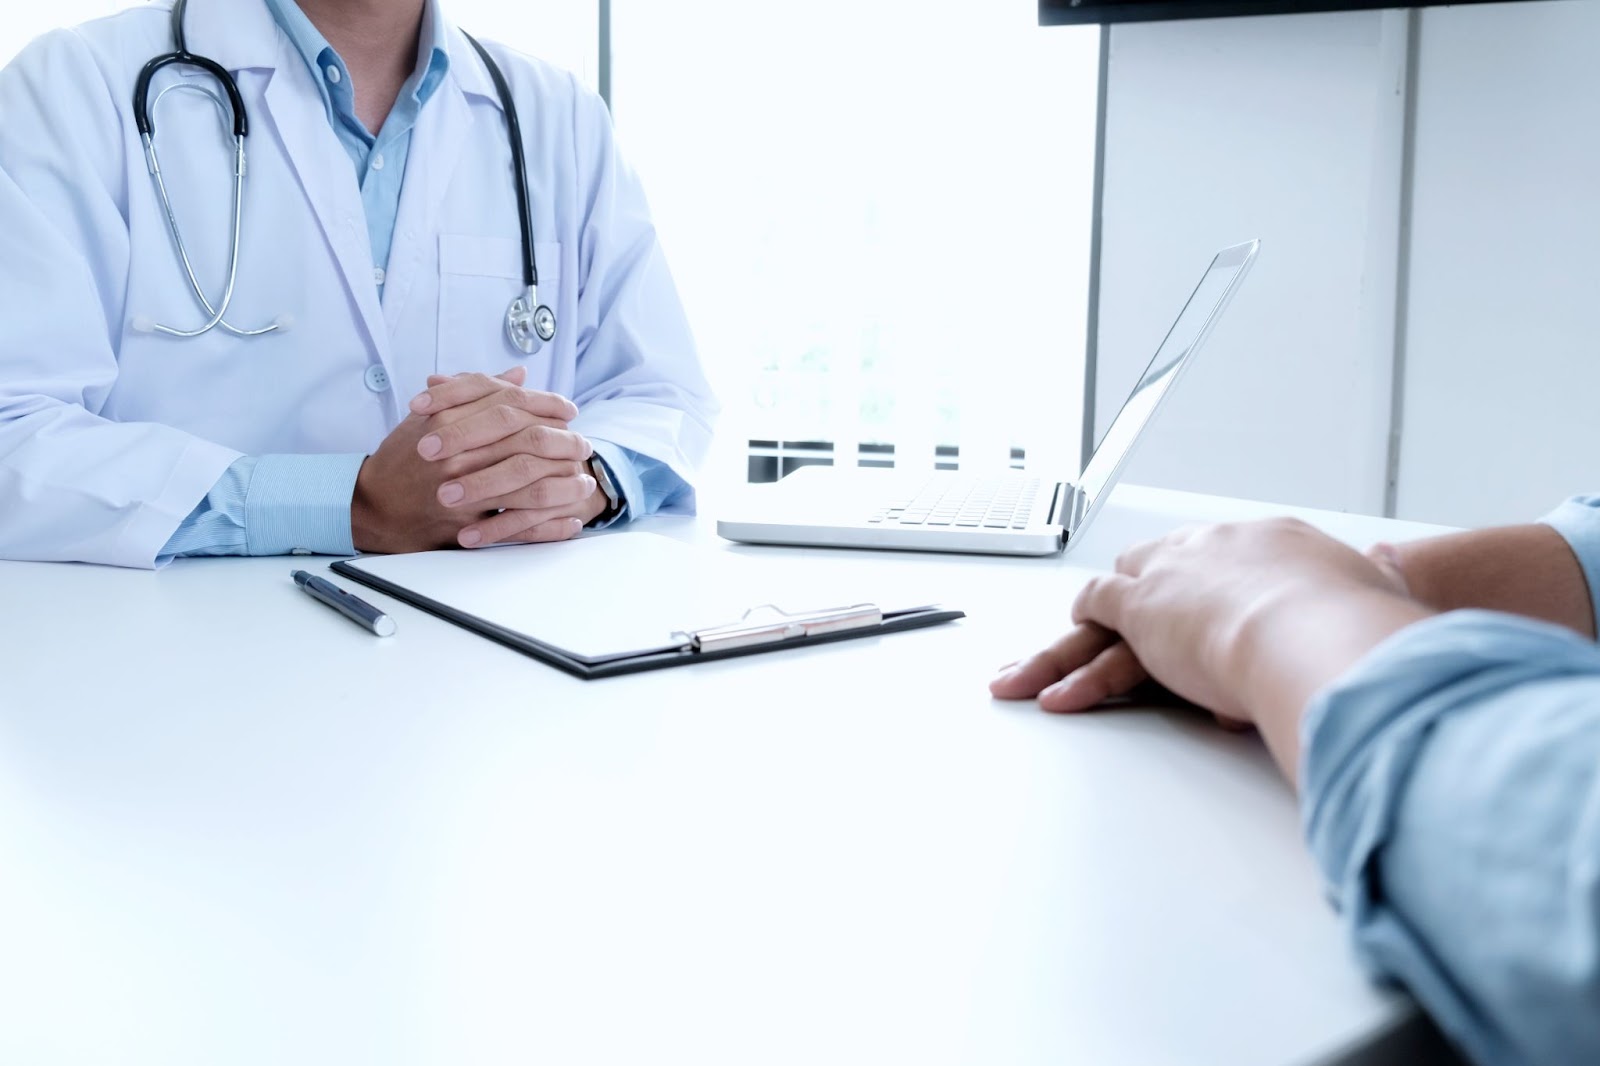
(768, 624)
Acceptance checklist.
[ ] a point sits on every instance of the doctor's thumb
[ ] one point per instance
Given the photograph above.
(517, 375)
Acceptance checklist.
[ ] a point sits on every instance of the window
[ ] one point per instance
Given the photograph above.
(878, 212)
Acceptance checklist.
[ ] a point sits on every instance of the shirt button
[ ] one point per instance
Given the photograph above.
(377, 161)
(333, 74)
(378, 275)
(377, 379)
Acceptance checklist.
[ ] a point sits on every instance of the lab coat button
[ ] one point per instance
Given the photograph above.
(377, 161)
(377, 379)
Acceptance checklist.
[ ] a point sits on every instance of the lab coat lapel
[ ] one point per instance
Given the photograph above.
(296, 116)
(443, 127)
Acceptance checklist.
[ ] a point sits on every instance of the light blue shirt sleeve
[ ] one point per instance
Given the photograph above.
(1451, 795)
(1578, 520)
(273, 505)
(648, 486)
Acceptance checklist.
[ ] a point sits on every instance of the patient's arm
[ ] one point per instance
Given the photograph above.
(1528, 570)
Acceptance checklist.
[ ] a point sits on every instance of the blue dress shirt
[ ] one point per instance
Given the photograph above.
(1452, 798)
(276, 504)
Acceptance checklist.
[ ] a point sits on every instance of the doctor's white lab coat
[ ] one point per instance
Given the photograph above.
(109, 436)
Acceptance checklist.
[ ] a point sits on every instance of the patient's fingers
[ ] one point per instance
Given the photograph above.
(1026, 679)
(1114, 672)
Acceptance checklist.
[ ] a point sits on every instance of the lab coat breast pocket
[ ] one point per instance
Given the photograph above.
(478, 279)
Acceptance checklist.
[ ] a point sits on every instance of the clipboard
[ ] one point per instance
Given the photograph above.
(622, 603)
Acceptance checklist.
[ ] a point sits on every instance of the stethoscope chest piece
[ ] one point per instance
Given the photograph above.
(529, 323)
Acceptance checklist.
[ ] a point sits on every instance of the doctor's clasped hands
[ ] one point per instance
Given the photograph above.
(479, 461)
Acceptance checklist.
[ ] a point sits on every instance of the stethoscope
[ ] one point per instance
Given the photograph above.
(529, 323)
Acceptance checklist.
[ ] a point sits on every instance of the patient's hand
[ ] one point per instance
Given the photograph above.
(1091, 664)
(1245, 620)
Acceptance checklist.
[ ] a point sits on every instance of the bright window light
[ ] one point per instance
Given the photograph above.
(878, 213)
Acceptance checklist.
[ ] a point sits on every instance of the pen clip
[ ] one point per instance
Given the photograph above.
(768, 624)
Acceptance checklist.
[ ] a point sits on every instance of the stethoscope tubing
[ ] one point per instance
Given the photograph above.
(528, 321)
(519, 164)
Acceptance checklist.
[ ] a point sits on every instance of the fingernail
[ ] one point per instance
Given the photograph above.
(1007, 673)
(576, 525)
(588, 484)
(471, 538)
(430, 446)
(573, 409)
(422, 402)
(452, 494)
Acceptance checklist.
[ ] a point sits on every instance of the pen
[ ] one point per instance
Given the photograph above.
(352, 607)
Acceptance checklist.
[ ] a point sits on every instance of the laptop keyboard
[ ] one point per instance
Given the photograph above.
(1002, 502)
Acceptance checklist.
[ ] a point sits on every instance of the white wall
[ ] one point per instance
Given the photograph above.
(1292, 129)
(1502, 358)
(1286, 129)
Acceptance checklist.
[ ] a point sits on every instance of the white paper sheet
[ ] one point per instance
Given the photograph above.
(601, 596)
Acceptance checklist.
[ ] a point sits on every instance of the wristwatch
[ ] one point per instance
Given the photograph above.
(608, 488)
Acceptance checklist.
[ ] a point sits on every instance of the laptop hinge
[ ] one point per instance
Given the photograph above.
(1058, 504)
(1066, 510)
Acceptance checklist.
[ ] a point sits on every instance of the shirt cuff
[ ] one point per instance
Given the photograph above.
(1578, 520)
(1361, 735)
(300, 505)
(618, 463)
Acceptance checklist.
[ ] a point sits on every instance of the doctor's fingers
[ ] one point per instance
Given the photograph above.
(499, 423)
(517, 375)
(519, 481)
(472, 388)
(522, 527)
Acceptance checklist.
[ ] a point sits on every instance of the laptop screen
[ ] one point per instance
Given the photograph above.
(1175, 353)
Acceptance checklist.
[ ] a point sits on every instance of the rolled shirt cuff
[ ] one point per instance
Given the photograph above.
(300, 505)
(1578, 520)
(1361, 734)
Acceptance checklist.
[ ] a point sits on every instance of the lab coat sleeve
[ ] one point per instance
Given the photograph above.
(1578, 520)
(75, 485)
(639, 382)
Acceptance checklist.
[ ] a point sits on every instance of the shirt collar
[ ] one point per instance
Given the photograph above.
(433, 51)
(245, 36)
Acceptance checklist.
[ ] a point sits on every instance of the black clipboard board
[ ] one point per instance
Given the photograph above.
(775, 631)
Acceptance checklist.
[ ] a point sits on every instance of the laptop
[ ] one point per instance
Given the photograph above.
(1009, 513)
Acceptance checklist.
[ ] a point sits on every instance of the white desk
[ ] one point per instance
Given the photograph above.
(236, 829)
